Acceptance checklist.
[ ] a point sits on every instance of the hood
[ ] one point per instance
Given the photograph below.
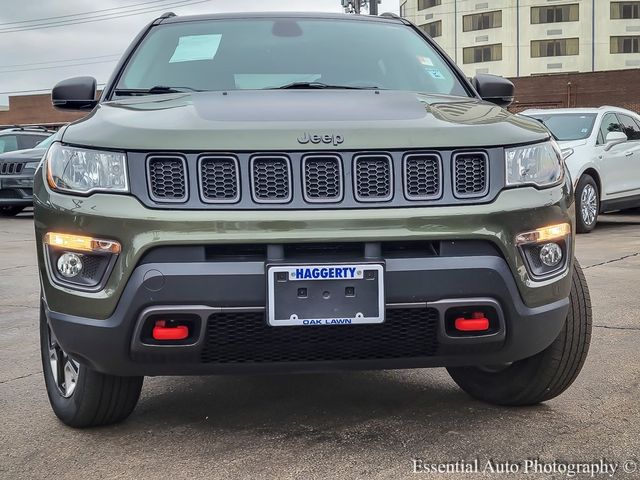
(572, 143)
(300, 119)
(30, 155)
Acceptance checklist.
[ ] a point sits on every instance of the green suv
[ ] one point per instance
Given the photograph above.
(297, 193)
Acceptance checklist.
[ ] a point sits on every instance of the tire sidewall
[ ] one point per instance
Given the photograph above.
(581, 226)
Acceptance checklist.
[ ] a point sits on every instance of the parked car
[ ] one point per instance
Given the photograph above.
(301, 192)
(601, 147)
(21, 138)
(17, 170)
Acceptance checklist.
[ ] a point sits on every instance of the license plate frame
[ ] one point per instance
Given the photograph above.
(326, 293)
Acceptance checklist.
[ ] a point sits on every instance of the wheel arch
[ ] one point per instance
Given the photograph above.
(593, 173)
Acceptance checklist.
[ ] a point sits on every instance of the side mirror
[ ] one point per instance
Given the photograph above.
(613, 139)
(494, 89)
(76, 93)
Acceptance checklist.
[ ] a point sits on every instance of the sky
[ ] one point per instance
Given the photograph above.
(45, 41)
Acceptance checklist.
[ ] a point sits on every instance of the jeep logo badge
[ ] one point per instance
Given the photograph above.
(334, 140)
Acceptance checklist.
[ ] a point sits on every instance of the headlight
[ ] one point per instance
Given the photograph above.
(566, 153)
(540, 164)
(83, 171)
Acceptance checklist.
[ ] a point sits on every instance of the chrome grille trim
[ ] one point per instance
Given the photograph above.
(366, 157)
(439, 174)
(339, 179)
(153, 184)
(201, 179)
(476, 191)
(260, 198)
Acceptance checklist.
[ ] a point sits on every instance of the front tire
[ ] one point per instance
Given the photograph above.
(545, 375)
(10, 210)
(81, 397)
(587, 204)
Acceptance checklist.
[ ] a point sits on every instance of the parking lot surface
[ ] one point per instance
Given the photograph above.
(349, 425)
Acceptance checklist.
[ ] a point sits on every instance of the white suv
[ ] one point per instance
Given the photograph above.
(601, 147)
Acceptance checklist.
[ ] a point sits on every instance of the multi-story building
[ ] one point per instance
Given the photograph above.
(517, 38)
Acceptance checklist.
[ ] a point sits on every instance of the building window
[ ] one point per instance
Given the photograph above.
(555, 13)
(625, 10)
(482, 21)
(555, 48)
(403, 10)
(625, 44)
(484, 53)
(424, 4)
(433, 29)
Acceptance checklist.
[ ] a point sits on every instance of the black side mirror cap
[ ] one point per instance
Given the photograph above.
(494, 89)
(78, 93)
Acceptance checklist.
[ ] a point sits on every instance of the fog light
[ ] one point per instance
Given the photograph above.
(551, 254)
(69, 265)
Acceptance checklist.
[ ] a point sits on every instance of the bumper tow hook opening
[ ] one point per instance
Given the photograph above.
(477, 323)
(162, 332)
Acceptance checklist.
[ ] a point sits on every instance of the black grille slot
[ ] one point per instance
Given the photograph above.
(11, 168)
(471, 174)
(271, 179)
(167, 182)
(373, 178)
(219, 179)
(322, 178)
(422, 177)
(245, 337)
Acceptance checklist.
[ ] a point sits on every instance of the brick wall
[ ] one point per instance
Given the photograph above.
(35, 109)
(619, 88)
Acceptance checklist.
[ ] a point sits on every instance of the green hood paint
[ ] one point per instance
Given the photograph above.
(274, 120)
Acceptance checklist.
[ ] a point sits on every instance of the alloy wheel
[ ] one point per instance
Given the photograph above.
(63, 368)
(589, 205)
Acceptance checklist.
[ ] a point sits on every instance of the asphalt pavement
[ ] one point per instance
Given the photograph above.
(350, 425)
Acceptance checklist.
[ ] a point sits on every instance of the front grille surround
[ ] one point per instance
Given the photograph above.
(338, 179)
(382, 161)
(480, 172)
(293, 196)
(179, 179)
(230, 184)
(415, 189)
(284, 186)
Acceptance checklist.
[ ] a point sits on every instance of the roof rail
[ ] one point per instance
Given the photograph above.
(164, 16)
(391, 15)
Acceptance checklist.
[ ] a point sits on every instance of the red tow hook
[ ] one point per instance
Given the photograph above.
(477, 323)
(163, 333)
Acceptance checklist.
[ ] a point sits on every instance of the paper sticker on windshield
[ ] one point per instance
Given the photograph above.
(435, 73)
(426, 61)
(196, 47)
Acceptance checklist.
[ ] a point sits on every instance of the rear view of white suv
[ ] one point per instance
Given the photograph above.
(601, 147)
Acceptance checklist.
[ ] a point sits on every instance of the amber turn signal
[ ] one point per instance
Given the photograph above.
(81, 243)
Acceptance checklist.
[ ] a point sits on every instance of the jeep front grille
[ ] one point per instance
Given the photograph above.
(315, 180)
(470, 170)
(373, 178)
(271, 179)
(219, 179)
(11, 168)
(322, 178)
(167, 178)
(422, 177)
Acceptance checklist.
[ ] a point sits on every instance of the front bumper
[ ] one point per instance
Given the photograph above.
(224, 292)
(16, 190)
(98, 327)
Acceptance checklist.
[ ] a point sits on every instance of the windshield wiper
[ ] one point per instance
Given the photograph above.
(320, 86)
(157, 90)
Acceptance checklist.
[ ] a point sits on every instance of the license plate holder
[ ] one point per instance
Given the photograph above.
(328, 294)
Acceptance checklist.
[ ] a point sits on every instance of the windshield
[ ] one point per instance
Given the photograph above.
(568, 126)
(46, 142)
(249, 54)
